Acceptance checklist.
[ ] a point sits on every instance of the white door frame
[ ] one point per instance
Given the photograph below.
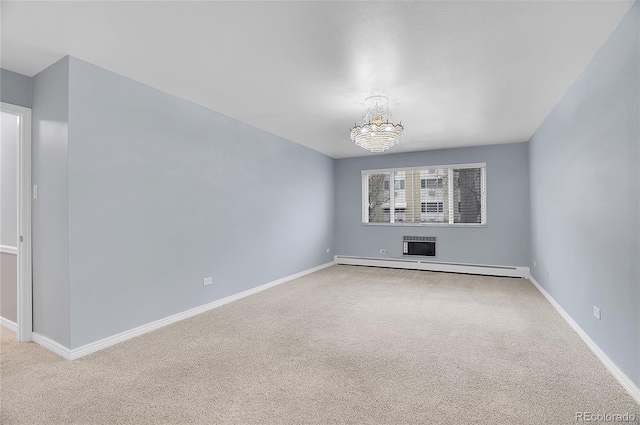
(25, 313)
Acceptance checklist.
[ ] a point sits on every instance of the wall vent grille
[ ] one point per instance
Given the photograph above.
(418, 239)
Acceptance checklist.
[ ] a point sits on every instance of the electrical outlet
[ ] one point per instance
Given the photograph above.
(534, 263)
(328, 250)
(596, 312)
(383, 251)
(35, 191)
(207, 281)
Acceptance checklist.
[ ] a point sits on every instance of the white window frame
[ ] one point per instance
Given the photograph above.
(450, 167)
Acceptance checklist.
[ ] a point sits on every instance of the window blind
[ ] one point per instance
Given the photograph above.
(453, 195)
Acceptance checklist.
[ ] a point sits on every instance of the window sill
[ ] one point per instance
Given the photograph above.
(462, 225)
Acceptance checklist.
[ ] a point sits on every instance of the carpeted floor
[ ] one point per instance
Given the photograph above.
(346, 344)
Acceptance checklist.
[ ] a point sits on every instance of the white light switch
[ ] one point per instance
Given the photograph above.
(35, 191)
(596, 312)
(207, 281)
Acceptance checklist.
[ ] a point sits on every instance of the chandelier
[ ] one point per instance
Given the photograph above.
(377, 133)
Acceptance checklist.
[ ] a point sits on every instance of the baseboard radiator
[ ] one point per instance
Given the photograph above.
(434, 266)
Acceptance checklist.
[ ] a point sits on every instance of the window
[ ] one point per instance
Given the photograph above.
(433, 207)
(431, 183)
(425, 195)
(434, 183)
(377, 197)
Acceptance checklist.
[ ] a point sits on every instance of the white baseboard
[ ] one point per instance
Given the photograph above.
(9, 249)
(12, 326)
(140, 330)
(51, 345)
(435, 266)
(620, 376)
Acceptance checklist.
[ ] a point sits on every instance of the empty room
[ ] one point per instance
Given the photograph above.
(320, 212)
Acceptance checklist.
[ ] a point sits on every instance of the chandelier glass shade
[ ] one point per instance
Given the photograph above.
(377, 132)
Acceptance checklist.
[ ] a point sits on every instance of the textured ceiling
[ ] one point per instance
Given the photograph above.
(456, 73)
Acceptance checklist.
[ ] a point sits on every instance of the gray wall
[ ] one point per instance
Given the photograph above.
(505, 239)
(585, 189)
(9, 286)
(163, 193)
(50, 225)
(15, 88)
(8, 179)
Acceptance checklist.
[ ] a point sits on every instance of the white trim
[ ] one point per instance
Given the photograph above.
(12, 326)
(25, 297)
(9, 249)
(25, 314)
(422, 167)
(76, 353)
(51, 345)
(435, 266)
(620, 376)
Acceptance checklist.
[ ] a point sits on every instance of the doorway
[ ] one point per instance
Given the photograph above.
(15, 222)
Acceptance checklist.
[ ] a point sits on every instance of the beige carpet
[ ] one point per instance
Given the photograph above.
(347, 344)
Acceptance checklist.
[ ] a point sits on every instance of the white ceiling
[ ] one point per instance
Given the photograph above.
(457, 73)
